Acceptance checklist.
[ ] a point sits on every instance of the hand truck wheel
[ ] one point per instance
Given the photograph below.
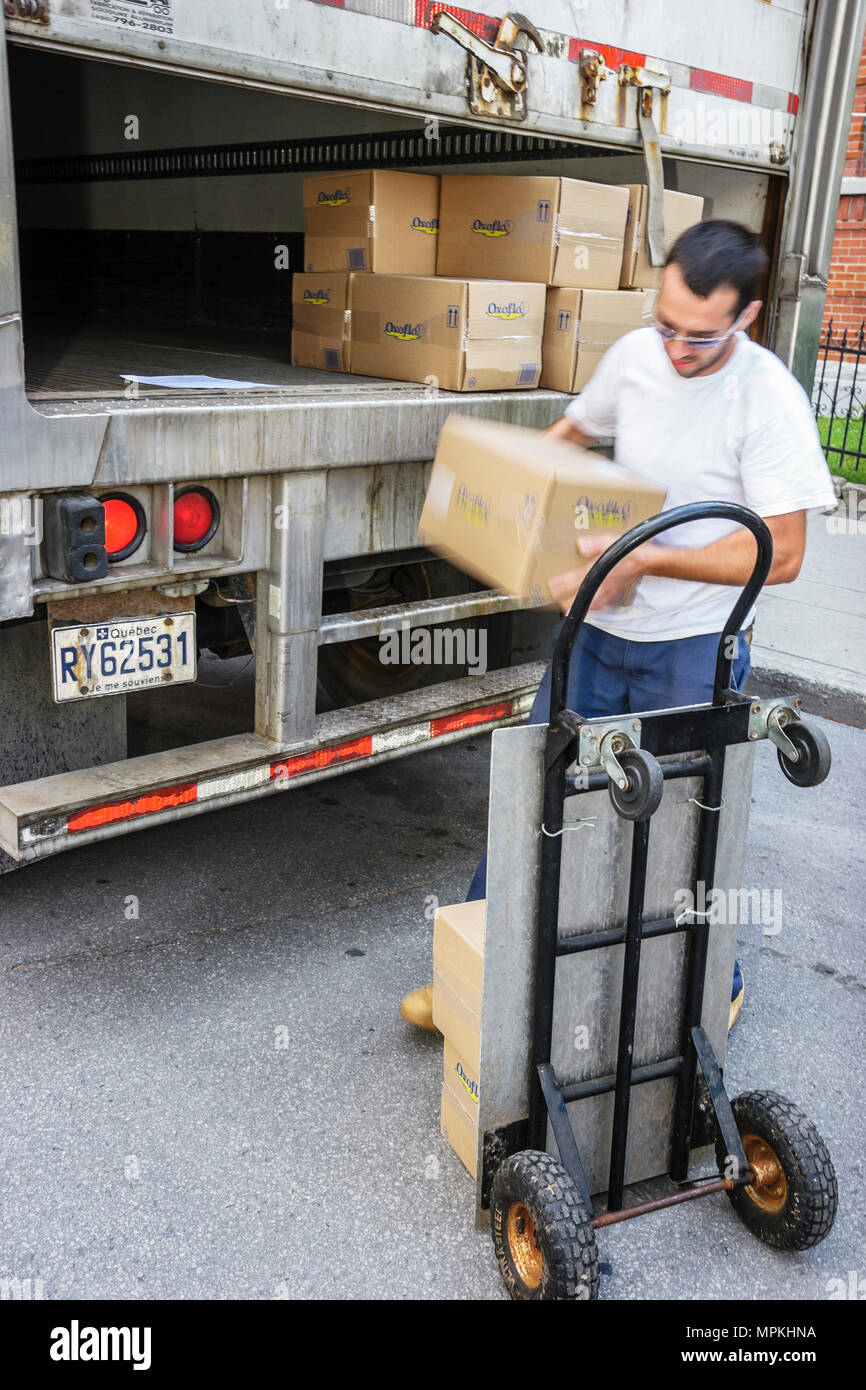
(813, 762)
(792, 1204)
(645, 785)
(542, 1235)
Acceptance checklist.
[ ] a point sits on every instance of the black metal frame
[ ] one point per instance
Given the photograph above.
(712, 728)
(387, 149)
(827, 390)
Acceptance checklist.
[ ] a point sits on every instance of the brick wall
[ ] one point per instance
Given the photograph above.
(846, 294)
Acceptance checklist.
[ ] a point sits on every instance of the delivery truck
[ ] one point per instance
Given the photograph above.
(172, 484)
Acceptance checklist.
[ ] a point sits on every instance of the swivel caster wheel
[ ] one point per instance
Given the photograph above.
(813, 755)
(641, 798)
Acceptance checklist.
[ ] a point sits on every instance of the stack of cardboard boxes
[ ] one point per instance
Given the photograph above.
(473, 282)
(376, 222)
(458, 962)
(581, 324)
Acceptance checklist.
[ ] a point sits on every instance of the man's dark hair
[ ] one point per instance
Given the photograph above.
(719, 253)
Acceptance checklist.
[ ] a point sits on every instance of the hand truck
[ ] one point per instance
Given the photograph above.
(773, 1163)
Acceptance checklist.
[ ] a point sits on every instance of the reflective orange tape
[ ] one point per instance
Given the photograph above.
(138, 806)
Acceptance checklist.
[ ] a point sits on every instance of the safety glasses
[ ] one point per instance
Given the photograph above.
(671, 336)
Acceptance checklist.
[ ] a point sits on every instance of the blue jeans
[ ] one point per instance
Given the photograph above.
(610, 676)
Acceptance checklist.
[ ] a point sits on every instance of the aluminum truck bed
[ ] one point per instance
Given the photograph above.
(73, 361)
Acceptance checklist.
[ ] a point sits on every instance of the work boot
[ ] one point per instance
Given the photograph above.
(738, 989)
(417, 1008)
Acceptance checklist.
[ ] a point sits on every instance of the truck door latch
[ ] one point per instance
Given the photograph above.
(593, 70)
(647, 82)
(497, 71)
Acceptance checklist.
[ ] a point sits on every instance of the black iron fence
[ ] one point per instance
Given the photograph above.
(839, 397)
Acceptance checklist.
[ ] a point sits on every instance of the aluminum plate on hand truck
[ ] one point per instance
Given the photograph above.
(593, 890)
(114, 658)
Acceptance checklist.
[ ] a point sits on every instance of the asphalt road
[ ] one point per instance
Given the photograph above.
(217, 1099)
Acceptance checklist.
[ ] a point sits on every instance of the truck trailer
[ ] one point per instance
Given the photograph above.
(152, 161)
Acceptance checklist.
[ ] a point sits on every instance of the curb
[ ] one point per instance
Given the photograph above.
(837, 702)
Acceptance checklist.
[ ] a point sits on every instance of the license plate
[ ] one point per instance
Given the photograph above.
(130, 654)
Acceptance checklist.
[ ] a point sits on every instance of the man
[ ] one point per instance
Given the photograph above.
(697, 408)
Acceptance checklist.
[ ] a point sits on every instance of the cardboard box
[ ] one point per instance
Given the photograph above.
(579, 327)
(460, 335)
(461, 1078)
(458, 961)
(555, 230)
(321, 318)
(507, 504)
(458, 967)
(375, 219)
(648, 300)
(458, 1128)
(681, 210)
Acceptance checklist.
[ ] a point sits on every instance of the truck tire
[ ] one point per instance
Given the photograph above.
(351, 673)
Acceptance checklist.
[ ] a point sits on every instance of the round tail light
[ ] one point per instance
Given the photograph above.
(125, 524)
(196, 517)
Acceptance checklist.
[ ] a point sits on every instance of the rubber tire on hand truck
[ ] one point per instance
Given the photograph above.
(813, 762)
(646, 784)
(794, 1210)
(542, 1235)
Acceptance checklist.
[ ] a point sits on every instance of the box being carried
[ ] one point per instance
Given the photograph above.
(460, 335)
(376, 219)
(579, 327)
(507, 504)
(321, 317)
(555, 230)
(682, 210)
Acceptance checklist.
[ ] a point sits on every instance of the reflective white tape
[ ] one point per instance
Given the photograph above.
(234, 782)
(401, 738)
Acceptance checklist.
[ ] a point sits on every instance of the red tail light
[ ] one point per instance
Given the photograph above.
(125, 524)
(196, 518)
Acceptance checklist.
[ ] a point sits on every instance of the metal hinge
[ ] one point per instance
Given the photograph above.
(497, 71)
(34, 10)
(593, 70)
(647, 81)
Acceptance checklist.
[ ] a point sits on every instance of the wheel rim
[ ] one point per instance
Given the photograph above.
(528, 1259)
(364, 653)
(769, 1191)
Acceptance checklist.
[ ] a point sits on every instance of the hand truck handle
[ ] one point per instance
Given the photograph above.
(645, 531)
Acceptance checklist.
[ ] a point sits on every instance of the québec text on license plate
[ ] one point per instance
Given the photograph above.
(129, 654)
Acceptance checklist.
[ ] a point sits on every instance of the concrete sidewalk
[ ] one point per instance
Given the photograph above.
(810, 636)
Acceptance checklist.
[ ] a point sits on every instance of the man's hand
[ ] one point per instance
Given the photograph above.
(564, 587)
(726, 561)
(564, 429)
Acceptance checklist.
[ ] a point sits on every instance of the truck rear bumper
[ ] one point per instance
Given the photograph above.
(44, 816)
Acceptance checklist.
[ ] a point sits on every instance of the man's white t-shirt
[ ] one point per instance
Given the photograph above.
(745, 434)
